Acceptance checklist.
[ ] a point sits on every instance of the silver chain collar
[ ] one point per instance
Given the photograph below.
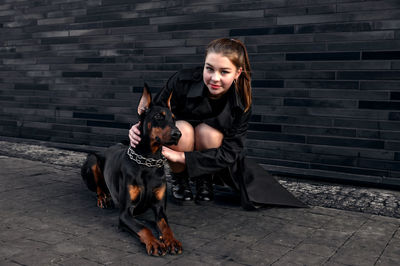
(149, 162)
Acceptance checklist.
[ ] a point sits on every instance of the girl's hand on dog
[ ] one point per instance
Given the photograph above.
(134, 135)
(173, 156)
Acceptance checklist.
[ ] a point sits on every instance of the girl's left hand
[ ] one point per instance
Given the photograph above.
(173, 156)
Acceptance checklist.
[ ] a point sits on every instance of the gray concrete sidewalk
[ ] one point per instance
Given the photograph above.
(48, 217)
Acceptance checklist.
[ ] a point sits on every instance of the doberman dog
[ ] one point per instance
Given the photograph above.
(133, 179)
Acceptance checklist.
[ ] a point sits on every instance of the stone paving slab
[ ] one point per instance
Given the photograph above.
(48, 217)
(345, 197)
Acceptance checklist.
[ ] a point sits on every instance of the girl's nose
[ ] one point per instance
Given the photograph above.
(215, 76)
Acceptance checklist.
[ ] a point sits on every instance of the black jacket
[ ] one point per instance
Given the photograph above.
(189, 103)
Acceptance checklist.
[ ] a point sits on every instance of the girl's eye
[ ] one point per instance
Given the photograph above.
(209, 69)
(225, 72)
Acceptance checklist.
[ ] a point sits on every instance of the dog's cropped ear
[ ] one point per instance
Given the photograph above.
(145, 100)
(169, 101)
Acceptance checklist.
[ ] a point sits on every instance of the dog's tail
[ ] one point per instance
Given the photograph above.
(86, 171)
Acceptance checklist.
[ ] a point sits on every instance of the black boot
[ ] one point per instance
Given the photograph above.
(181, 189)
(204, 188)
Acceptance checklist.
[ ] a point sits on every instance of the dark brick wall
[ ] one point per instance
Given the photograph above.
(326, 74)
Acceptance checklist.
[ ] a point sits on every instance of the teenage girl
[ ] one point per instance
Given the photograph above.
(212, 106)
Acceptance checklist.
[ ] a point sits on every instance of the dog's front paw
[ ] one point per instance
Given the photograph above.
(155, 247)
(173, 245)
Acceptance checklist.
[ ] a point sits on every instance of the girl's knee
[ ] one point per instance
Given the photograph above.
(207, 137)
(186, 142)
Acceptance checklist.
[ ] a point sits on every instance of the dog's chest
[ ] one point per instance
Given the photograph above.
(149, 187)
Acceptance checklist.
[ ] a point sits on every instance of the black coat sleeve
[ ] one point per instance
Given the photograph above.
(212, 160)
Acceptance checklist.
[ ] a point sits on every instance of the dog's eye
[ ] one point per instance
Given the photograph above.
(158, 117)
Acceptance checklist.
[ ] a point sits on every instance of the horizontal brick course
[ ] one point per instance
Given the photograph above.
(322, 56)
(262, 31)
(326, 83)
(385, 55)
(346, 142)
(337, 27)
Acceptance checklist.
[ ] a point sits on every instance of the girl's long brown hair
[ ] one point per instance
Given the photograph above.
(236, 52)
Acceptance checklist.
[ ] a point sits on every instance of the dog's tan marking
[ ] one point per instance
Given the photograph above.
(153, 246)
(168, 238)
(159, 192)
(169, 101)
(145, 100)
(101, 187)
(156, 132)
(134, 192)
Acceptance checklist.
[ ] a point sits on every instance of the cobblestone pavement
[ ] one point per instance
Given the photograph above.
(48, 217)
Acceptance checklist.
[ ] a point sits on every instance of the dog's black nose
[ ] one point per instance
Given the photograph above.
(176, 134)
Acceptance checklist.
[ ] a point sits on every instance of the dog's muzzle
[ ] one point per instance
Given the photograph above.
(175, 136)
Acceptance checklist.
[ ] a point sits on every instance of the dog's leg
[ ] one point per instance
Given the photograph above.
(153, 246)
(172, 244)
(128, 222)
(104, 200)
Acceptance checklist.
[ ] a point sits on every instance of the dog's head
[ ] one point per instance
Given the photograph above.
(157, 122)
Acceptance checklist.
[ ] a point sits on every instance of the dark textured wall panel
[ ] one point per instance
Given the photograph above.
(326, 74)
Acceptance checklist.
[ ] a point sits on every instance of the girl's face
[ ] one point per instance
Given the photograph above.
(219, 73)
